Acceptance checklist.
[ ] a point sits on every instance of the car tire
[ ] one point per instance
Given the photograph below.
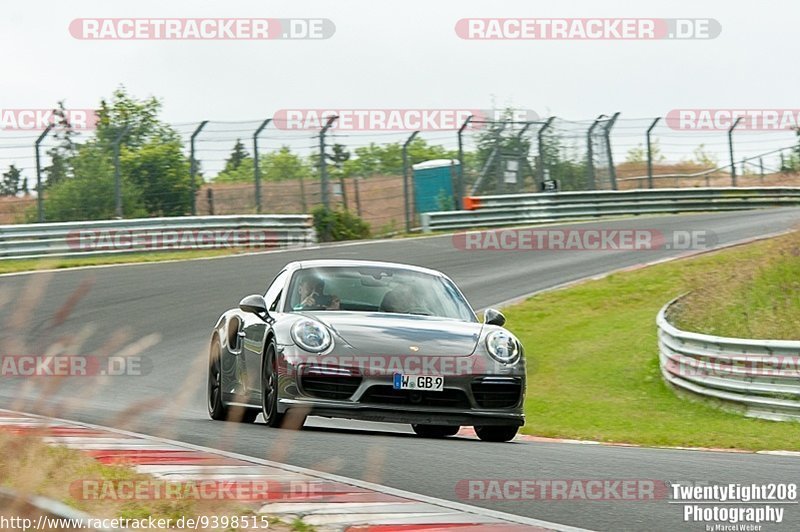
(435, 431)
(497, 433)
(217, 409)
(291, 419)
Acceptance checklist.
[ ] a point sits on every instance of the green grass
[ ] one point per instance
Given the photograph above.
(23, 265)
(593, 361)
(760, 298)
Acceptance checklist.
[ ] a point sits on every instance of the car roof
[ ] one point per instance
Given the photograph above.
(357, 263)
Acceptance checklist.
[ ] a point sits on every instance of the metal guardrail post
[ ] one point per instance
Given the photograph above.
(730, 148)
(117, 173)
(540, 148)
(256, 168)
(193, 165)
(650, 153)
(406, 202)
(460, 180)
(323, 164)
(39, 187)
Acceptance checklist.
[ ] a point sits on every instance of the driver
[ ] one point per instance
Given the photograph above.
(311, 297)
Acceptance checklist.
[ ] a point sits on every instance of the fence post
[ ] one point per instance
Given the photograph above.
(357, 184)
(256, 169)
(323, 165)
(522, 157)
(761, 168)
(460, 180)
(730, 148)
(39, 189)
(590, 153)
(650, 153)
(117, 176)
(540, 147)
(193, 164)
(406, 202)
(612, 171)
(343, 186)
(210, 196)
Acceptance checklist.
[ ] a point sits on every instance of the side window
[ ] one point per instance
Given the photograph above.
(273, 295)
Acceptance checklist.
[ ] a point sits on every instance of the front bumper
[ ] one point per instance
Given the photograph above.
(348, 392)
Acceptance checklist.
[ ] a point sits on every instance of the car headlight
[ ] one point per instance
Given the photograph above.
(311, 335)
(502, 346)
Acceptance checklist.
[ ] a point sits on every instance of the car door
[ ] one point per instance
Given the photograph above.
(254, 331)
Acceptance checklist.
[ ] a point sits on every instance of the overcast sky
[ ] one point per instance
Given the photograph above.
(404, 54)
(393, 54)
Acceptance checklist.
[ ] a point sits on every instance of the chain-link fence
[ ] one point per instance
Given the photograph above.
(278, 166)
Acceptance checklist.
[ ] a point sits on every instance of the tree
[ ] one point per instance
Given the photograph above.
(339, 156)
(281, 165)
(154, 172)
(638, 154)
(160, 171)
(388, 159)
(12, 183)
(90, 193)
(704, 158)
(59, 168)
(237, 157)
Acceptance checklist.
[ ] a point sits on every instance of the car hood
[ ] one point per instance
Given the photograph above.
(398, 334)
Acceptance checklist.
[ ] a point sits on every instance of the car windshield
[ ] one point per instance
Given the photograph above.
(376, 289)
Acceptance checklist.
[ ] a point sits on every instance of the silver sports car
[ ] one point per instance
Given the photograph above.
(371, 341)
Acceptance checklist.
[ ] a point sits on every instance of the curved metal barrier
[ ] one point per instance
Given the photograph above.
(759, 377)
(64, 239)
(519, 209)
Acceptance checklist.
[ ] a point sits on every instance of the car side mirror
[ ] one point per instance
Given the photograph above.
(494, 317)
(255, 304)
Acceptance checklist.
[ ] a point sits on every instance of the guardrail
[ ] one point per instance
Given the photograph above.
(759, 377)
(65, 239)
(518, 209)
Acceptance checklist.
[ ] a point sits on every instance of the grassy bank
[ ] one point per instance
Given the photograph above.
(758, 298)
(593, 355)
(30, 466)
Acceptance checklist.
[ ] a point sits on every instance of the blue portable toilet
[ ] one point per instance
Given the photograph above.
(433, 185)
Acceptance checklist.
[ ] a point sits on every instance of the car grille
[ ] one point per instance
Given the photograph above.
(387, 395)
(338, 387)
(489, 393)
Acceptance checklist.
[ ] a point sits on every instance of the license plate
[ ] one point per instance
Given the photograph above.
(428, 383)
